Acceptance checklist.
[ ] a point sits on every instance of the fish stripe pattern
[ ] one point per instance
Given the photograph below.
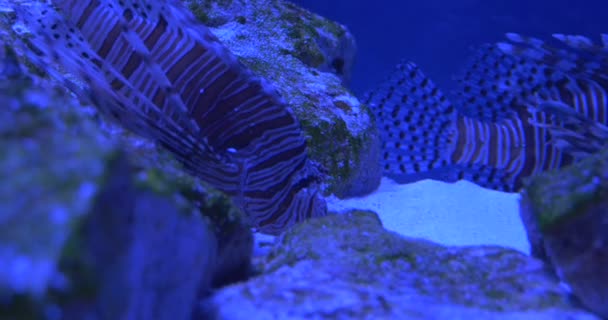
(160, 73)
(493, 154)
(574, 90)
(522, 107)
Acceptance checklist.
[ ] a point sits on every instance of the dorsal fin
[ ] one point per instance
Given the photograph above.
(528, 73)
(491, 84)
(576, 96)
(63, 44)
(572, 55)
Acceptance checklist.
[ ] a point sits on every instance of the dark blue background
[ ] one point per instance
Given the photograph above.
(436, 34)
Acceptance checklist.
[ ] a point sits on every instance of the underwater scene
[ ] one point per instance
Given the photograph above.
(304, 159)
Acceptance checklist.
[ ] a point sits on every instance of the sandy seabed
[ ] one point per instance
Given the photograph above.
(459, 213)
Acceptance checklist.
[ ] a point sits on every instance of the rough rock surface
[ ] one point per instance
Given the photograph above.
(50, 175)
(93, 219)
(566, 216)
(144, 256)
(348, 267)
(308, 59)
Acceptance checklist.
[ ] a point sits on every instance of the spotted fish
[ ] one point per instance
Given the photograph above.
(151, 66)
(521, 107)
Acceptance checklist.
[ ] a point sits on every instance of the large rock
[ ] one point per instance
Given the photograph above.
(308, 59)
(141, 255)
(348, 267)
(566, 216)
(50, 176)
(97, 222)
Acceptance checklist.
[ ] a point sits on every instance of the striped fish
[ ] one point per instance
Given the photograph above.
(574, 90)
(521, 108)
(151, 66)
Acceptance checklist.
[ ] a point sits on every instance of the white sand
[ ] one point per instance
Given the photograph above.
(452, 214)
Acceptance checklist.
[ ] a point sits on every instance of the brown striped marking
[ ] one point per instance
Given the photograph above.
(192, 95)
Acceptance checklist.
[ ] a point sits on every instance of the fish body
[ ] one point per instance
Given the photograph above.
(522, 107)
(152, 67)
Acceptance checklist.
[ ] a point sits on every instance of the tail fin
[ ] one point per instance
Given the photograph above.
(161, 74)
(417, 126)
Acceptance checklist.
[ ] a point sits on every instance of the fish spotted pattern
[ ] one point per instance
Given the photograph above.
(522, 107)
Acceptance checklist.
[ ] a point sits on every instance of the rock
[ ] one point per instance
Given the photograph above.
(308, 59)
(143, 256)
(97, 222)
(160, 171)
(346, 266)
(317, 42)
(566, 216)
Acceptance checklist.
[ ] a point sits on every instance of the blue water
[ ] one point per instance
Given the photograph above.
(436, 34)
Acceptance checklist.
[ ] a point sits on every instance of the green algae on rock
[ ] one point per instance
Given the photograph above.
(348, 266)
(140, 252)
(88, 211)
(566, 217)
(562, 194)
(308, 59)
(51, 170)
(156, 170)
